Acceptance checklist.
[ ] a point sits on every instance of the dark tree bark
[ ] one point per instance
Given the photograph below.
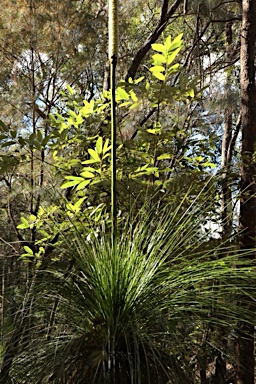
(244, 347)
(227, 137)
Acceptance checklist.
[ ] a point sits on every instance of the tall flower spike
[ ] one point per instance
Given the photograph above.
(113, 29)
(113, 52)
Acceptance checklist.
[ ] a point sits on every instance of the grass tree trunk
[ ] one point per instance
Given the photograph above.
(245, 343)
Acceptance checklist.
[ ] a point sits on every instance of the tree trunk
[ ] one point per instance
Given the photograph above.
(226, 140)
(244, 347)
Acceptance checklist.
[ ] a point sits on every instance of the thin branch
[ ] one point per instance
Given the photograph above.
(9, 244)
(226, 20)
(143, 121)
(185, 7)
(141, 53)
(234, 138)
(164, 10)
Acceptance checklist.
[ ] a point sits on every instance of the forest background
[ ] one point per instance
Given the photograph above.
(185, 164)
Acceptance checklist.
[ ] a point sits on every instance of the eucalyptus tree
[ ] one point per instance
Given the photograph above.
(245, 341)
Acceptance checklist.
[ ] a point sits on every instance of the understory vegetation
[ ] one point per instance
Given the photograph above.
(127, 194)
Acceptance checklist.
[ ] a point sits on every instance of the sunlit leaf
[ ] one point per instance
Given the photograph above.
(137, 81)
(154, 131)
(28, 250)
(133, 96)
(93, 154)
(70, 90)
(122, 93)
(90, 161)
(157, 68)
(158, 47)
(73, 180)
(24, 223)
(164, 156)
(99, 145)
(106, 147)
(126, 103)
(159, 76)
(159, 58)
(177, 42)
(87, 174)
(135, 105)
(173, 68)
(172, 55)
(72, 113)
(82, 185)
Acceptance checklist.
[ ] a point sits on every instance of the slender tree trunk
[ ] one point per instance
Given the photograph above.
(244, 347)
(226, 140)
(226, 198)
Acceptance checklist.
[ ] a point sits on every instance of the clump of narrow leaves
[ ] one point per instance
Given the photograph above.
(137, 313)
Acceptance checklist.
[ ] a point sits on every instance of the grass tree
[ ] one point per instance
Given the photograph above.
(138, 312)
